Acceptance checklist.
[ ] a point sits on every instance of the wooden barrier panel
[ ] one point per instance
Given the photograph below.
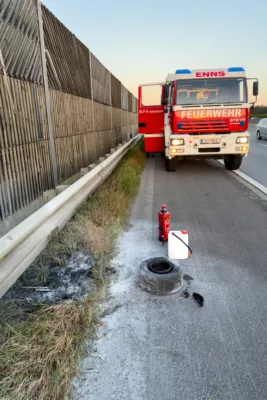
(19, 40)
(68, 63)
(124, 98)
(101, 82)
(24, 149)
(91, 111)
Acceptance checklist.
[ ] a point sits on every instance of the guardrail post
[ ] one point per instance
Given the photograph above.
(47, 96)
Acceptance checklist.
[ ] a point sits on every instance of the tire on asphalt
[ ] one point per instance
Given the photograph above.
(170, 164)
(233, 163)
(160, 284)
(258, 134)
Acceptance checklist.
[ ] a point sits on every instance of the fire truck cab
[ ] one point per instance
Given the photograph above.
(200, 114)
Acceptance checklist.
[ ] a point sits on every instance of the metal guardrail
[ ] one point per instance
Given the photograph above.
(21, 246)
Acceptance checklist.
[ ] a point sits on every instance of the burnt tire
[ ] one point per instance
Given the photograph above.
(157, 283)
(170, 164)
(233, 163)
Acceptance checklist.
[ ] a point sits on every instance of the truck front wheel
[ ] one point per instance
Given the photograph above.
(233, 162)
(170, 165)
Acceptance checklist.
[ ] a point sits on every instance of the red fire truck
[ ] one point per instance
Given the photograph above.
(200, 114)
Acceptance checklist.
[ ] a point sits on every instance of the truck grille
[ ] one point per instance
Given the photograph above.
(203, 125)
(209, 150)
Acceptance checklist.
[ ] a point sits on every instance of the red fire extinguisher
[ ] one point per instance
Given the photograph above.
(164, 223)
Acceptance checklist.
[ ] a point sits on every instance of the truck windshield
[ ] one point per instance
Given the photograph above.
(211, 91)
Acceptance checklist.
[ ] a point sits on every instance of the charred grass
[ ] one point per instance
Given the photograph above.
(40, 348)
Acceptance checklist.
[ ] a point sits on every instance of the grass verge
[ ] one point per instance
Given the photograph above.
(258, 115)
(39, 352)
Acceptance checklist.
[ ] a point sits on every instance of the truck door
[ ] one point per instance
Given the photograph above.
(151, 116)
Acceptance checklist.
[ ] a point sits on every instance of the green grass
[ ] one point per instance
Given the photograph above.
(259, 115)
(39, 351)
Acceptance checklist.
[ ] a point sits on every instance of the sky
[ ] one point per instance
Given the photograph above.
(141, 41)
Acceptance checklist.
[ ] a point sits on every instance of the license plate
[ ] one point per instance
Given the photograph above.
(209, 141)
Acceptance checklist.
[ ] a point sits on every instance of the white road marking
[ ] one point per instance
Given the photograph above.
(254, 183)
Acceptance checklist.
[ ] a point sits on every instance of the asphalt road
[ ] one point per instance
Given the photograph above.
(168, 348)
(255, 164)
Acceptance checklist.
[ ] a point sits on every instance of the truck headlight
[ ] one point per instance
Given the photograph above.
(244, 148)
(177, 142)
(243, 139)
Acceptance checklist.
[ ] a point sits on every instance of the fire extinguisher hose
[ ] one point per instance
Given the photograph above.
(182, 242)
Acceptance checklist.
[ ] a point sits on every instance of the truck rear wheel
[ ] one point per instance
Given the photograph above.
(170, 165)
(233, 162)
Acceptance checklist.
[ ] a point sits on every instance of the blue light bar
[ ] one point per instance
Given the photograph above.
(183, 71)
(236, 69)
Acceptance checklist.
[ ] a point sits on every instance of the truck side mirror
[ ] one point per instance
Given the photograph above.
(164, 102)
(255, 88)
